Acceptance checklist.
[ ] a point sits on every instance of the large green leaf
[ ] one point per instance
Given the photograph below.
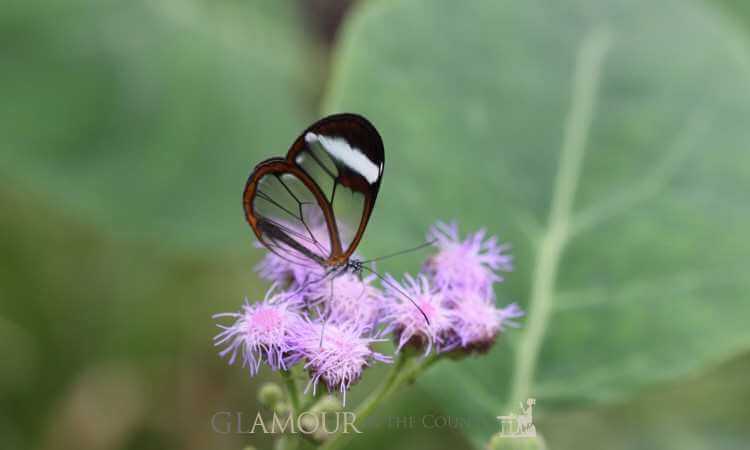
(607, 141)
(706, 412)
(738, 10)
(146, 117)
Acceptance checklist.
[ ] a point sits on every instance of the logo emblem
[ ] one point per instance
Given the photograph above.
(519, 425)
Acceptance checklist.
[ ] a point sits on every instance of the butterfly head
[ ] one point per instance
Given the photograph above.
(355, 265)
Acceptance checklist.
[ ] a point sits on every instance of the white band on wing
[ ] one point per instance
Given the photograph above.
(353, 158)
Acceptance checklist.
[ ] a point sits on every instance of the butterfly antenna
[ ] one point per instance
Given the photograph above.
(400, 291)
(402, 252)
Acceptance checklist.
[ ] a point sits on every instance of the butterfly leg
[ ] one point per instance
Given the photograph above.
(326, 313)
(306, 285)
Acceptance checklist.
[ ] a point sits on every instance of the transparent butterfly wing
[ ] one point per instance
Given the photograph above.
(313, 206)
(286, 215)
(344, 155)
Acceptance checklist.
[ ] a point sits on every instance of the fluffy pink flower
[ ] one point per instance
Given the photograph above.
(347, 298)
(260, 333)
(448, 307)
(335, 353)
(286, 272)
(476, 321)
(469, 264)
(408, 319)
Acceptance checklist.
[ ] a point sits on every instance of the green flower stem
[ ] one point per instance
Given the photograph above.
(292, 392)
(311, 401)
(398, 375)
(368, 404)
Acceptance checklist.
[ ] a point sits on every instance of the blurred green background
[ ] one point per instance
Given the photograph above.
(607, 141)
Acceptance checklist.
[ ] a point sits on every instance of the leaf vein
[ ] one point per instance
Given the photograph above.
(586, 80)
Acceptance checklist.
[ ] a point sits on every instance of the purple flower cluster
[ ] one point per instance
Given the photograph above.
(330, 325)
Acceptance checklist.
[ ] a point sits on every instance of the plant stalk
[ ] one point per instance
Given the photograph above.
(397, 376)
(292, 392)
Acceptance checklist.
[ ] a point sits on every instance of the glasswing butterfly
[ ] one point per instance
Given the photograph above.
(311, 207)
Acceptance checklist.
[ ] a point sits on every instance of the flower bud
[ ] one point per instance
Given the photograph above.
(269, 394)
(281, 408)
(309, 422)
(328, 403)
